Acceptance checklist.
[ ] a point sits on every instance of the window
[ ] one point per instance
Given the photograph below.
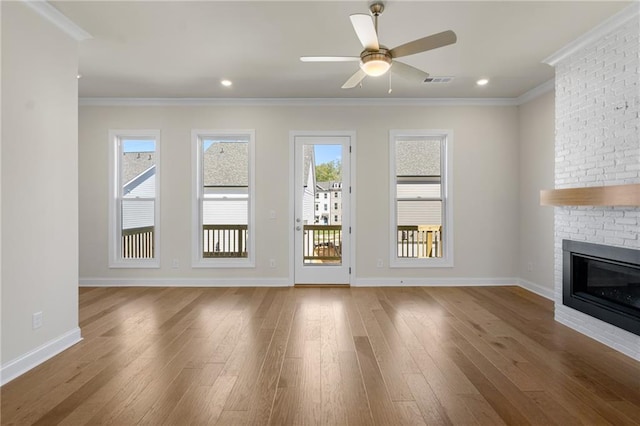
(223, 197)
(421, 209)
(335, 194)
(326, 207)
(317, 207)
(335, 206)
(325, 195)
(317, 195)
(335, 218)
(134, 196)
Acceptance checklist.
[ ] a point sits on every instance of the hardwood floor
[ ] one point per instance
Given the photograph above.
(359, 356)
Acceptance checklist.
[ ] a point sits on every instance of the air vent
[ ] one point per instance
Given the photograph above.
(438, 79)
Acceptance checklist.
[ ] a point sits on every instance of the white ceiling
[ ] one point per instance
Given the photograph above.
(182, 49)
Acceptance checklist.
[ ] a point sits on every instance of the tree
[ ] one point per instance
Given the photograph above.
(330, 171)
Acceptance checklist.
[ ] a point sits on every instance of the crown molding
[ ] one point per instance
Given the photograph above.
(418, 102)
(57, 18)
(619, 19)
(535, 92)
(297, 102)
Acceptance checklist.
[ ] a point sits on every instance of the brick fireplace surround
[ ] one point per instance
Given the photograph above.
(597, 143)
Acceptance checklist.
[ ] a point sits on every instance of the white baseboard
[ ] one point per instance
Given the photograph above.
(37, 356)
(185, 282)
(433, 282)
(286, 282)
(545, 292)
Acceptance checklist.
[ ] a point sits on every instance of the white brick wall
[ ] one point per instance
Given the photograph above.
(598, 143)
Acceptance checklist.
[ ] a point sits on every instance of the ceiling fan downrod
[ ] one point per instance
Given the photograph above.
(376, 10)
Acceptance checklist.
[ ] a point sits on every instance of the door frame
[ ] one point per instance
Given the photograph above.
(351, 134)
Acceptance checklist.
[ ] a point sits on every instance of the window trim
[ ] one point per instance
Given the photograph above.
(197, 260)
(446, 177)
(115, 199)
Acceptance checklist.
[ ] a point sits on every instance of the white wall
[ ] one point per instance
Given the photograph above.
(485, 165)
(536, 128)
(598, 143)
(39, 188)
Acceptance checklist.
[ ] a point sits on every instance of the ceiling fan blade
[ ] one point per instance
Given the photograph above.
(433, 41)
(329, 58)
(354, 80)
(365, 30)
(408, 72)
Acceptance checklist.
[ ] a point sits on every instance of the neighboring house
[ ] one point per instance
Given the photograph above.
(226, 183)
(328, 206)
(139, 175)
(417, 177)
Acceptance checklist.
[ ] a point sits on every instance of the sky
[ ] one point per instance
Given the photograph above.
(327, 153)
(138, 145)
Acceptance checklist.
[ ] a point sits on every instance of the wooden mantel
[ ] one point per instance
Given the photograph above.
(614, 195)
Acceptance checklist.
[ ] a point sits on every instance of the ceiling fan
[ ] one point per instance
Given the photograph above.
(376, 59)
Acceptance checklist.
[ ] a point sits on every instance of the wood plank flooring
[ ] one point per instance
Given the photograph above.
(325, 356)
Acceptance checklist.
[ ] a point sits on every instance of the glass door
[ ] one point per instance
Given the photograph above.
(322, 182)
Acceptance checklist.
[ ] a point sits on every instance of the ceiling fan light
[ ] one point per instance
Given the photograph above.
(375, 68)
(375, 64)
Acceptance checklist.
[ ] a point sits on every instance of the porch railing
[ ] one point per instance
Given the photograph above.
(224, 241)
(420, 241)
(322, 243)
(138, 243)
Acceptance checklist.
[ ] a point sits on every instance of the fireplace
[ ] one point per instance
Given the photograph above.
(602, 281)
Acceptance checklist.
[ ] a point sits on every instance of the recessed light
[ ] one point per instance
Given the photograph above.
(79, 76)
(482, 81)
(226, 83)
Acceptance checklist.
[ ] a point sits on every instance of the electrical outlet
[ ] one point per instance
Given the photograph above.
(272, 263)
(175, 264)
(272, 214)
(379, 263)
(36, 320)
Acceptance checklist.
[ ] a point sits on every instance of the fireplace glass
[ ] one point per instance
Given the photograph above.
(616, 283)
